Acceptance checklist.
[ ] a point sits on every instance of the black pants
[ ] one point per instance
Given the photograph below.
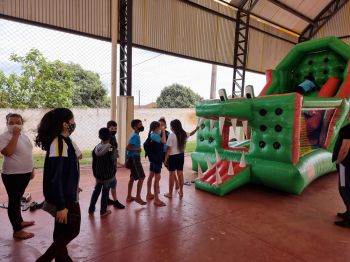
(62, 235)
(15, 185)
(344, 186)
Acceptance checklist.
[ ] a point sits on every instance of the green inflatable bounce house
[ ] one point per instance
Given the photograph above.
(288, 137)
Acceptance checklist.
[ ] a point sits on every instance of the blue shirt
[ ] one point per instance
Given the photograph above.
(156, 137)
(135, 141)
(307, 85)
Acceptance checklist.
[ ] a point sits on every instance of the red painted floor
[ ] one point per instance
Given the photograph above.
(251, 224)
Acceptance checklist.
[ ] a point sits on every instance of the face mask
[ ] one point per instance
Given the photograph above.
(71, 128)
(11, 127)
(141, 129)
(113, 133)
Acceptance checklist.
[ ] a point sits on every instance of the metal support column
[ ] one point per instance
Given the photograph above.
(125, 38)
(241, 47)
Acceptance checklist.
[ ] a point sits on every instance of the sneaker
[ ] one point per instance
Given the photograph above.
(343, 223)
(118, 205)
(342, 215)
(110, 202)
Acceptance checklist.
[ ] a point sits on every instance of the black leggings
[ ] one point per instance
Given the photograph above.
(15, 185)
(62, 235)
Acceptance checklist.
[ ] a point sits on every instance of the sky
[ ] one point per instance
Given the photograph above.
(151, 71)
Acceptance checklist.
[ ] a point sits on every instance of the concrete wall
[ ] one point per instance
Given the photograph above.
(90, 120)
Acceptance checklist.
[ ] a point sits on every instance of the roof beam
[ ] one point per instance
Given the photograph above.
(257, 16)
(291, 10)
(322, 18)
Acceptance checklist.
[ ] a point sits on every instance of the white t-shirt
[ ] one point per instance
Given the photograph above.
(21, 161)
(172, 143)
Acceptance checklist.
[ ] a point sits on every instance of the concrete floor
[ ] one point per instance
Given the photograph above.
(253, 223)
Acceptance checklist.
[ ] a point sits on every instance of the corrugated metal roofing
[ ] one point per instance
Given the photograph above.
(199, 29)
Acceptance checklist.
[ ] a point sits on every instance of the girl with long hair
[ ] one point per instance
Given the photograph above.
(60, 182)
(157, 139)
(175, 156)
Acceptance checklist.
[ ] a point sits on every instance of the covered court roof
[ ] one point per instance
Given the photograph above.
(199, 29)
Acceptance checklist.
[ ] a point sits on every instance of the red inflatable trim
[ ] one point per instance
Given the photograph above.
(296, 132)
(269, 79)
(330, 88)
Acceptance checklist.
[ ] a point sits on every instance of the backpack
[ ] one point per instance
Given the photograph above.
(147, 146)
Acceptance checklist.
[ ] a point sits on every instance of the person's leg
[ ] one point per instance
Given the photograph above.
(130, 198)
(180, 176)
(14, 185)
(171, 184)
(176, 182)
(149, 195)
(104, 199)
(94, 197)
(157, 201)
(113, 193)
(63, 234)
(138, 198)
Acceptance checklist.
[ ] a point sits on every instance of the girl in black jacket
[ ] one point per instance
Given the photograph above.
(61, 178)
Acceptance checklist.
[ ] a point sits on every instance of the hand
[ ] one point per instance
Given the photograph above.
(16, 131)
(80, 157)
(32, 175)
(79, 190)
(61, 216)
(166, 161)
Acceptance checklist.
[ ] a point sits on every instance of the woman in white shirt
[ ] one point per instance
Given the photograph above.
(17, 170)
(175, 156)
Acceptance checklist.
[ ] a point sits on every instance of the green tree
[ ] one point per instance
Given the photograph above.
(40, 84)
(88, 88)
(45, 84)
(177, 96)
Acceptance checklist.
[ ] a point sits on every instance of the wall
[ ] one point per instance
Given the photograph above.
(89, 121)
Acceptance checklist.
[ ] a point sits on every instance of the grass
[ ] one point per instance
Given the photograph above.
(87, 159)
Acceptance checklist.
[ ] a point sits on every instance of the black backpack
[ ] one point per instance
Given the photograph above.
(147, 146)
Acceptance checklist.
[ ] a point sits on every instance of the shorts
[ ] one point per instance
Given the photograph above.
(155, 167)
(176, 162)
(136, 168)
(113, 184)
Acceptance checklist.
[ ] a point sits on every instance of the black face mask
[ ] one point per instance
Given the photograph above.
(71, 128)
(113, 133)
(141, 129)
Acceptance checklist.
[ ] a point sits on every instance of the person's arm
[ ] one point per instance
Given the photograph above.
(102, 149)
(194, 131)
(11, 146)
(167, 154)
(344, 150)
(131, 145)
(163, 140)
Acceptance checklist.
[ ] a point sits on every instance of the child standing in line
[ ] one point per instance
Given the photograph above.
(162, 122)
(113, 128)
(104, 171)
(133, 150)
(175, 156)
(157, 140)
